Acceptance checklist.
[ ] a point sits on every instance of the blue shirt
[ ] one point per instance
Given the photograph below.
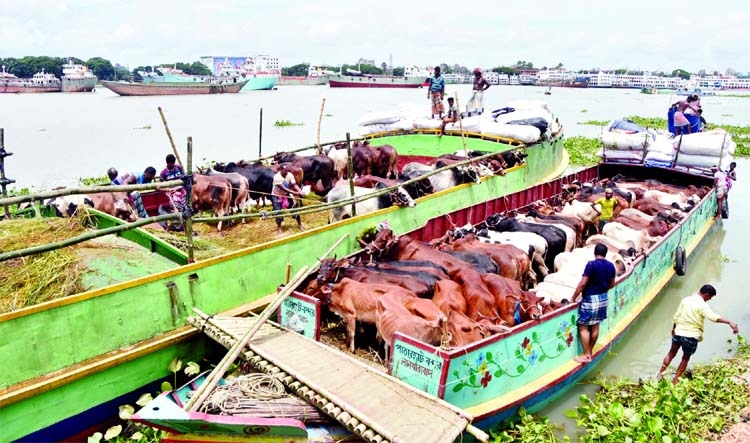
(141, 179)
(600, 272)
(437, 84)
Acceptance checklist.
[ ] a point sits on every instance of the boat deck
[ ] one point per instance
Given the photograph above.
(375, 407)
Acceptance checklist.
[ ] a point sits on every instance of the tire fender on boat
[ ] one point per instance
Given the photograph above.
(680, 262)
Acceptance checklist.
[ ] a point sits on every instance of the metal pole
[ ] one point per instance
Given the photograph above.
(4, 181)
(189, 200)
(260, 135)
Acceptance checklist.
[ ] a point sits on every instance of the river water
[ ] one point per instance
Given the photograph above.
(57, 138)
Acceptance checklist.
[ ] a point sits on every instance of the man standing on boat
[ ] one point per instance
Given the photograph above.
(284, 188)
(475, 104)
(687, 328)
(435, 91)
(607, 205)
(598, 278)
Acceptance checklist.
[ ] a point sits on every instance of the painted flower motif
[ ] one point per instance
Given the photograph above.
(564, 327)
(569, 339)
(525, 342)
(529, 349)
(480, 359)
(533, 358)
(486, 379)
(482, 367)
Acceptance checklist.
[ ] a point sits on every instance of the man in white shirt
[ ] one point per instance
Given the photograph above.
(687, 328)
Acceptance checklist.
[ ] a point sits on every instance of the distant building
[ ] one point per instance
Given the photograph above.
(260, 64)
(364, 61)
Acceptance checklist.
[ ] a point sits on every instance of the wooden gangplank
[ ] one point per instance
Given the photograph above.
(376, 407)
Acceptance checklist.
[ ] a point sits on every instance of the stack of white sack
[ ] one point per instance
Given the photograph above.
(660, 152)
(384, 121)
(539, 117)
(618, 146)
(705, 149)
(427, 123)
(524, 133)
(469, 124)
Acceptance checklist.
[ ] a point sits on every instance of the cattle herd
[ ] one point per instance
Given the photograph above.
(229, 188)
(478, 281)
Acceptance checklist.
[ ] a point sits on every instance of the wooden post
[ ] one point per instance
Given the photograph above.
(189, 201)
(461, 127)
(350, 171)
(320, 118)
(3, 180)
(171, 140)
(260, 135)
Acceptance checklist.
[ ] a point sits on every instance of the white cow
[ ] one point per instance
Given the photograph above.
(525, 241)
(574, 262)
(341, 192)
(583, 210)
(640, 239)
(339, 157)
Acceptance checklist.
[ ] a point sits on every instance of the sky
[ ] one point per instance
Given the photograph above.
(634, 34)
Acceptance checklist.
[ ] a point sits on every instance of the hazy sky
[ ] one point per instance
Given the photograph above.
(637, 34)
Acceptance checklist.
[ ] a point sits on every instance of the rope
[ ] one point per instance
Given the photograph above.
(255, 386)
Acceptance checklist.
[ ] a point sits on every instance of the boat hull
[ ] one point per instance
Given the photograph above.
(350, 81)
(78, 84)
(167, 298)
(10, 88)
(303, 81)
(164, 88)
(532, 364)
(258, 83)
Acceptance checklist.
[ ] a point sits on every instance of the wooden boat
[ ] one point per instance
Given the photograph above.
(109, 369)
(527, 366)
(373, 81)
(176, 88)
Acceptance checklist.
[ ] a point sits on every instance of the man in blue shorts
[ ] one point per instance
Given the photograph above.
(598, 278)
(687, 328)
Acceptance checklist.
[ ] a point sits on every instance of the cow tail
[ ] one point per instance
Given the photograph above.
(531, 252)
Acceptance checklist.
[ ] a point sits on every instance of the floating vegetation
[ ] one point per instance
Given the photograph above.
(582, 150)
(584, 110)
(594, 123)
(690, 411)
(94, 181)
(327, 115)
(284, 123)
(144, 127)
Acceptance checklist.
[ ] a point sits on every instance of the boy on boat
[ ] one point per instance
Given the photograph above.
(598, 278)
(435, 91)
(607, 205)
(687, 328)
(451, 117)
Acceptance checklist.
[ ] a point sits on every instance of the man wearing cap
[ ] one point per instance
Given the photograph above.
(687, 328)
(475, 104)
(607, 205)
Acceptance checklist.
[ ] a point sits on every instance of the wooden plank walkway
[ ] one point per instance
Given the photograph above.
(370, 404)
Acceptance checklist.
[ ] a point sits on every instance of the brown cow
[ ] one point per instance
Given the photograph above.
(384, 160)
(480, 303)
(390, 247)
(393, 316)
(352, 301)
(332, 271)
(512, 262)
(212, 193)
(449, 297)
(116, 204)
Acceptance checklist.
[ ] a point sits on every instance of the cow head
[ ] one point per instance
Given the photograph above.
(384, 241)
(124, 210)
(330, 270)
(400, 197)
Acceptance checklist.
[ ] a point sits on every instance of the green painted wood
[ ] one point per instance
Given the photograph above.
(108, 319)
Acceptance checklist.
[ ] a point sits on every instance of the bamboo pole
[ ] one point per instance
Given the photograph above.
(205, 390)
(350, 172)
(202, 393)
(260, 134)
(4, 181)
(87, 236)
(189, 201)
(88, 190)
(320, 119)
(169, 134)
(461, 127)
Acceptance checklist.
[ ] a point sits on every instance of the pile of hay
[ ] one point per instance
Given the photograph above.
(41, 277)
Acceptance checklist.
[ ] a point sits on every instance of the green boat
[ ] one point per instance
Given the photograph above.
(91, 352)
